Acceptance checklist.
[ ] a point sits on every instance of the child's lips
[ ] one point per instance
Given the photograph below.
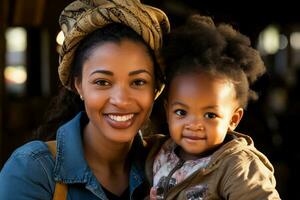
(194, 137)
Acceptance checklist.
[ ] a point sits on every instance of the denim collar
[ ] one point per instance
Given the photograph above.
(71, 166)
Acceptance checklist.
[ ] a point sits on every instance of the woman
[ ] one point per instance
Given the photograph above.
(108, 60)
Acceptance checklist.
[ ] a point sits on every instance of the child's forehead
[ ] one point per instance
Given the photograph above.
(201, 75)
(197, 91)
(200, 82)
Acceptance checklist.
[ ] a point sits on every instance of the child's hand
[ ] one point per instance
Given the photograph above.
(153, 194)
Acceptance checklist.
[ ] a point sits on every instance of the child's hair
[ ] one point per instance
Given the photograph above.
(201, 46)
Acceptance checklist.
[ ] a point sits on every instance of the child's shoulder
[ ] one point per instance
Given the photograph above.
(240, 152)
(242, 160)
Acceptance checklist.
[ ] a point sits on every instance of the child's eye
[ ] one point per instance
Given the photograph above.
(139, 82)
(102, 83)
(210, 115)
(180, 112)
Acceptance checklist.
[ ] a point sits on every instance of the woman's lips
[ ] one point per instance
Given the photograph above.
(120, 121)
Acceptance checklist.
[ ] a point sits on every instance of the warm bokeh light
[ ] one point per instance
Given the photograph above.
(15, 74)
(295, 40)
(16, 39)
(60, 38)
(269, 40)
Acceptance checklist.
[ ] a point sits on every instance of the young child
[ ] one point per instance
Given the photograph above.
(209, 70)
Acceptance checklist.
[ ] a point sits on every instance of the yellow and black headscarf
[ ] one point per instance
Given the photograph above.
(82, 17)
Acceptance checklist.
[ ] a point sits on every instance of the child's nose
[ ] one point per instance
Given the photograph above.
(195, 125)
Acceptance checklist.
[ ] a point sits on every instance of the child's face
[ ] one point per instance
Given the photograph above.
(200, 111)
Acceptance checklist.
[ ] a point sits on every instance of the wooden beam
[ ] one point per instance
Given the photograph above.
(3, 26)
(28, 12)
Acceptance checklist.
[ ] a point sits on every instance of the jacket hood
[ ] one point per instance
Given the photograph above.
(237, 142)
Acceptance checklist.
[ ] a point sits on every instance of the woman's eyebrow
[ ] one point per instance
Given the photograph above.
(110, 73)
(139, 71)
(102, 71)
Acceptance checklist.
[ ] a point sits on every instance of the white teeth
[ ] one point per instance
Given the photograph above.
(122, 118)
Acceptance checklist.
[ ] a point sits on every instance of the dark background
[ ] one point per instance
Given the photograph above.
(271, 121)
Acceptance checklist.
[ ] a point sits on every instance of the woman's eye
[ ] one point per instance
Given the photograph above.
(210, 115)
(180, 112)
(102, 83)
(139, 82)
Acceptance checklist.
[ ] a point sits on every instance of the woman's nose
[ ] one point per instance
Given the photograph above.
(120, 96)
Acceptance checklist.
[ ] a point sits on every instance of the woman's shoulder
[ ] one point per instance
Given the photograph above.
(28, 170)
(30, 155)
(34, 148)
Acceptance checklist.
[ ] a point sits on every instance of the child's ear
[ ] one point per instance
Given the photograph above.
(166, 109)
(236, 118)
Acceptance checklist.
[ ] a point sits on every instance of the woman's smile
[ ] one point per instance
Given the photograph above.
(120, 118)
(120, 121)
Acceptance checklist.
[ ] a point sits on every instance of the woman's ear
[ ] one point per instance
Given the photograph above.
(78, 86)
(236, 118)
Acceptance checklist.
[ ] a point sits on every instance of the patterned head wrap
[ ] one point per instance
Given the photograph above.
(82, 17)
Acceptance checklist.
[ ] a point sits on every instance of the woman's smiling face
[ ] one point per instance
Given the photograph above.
(117, 86)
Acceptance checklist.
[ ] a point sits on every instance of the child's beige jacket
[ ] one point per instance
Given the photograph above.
(237, 171)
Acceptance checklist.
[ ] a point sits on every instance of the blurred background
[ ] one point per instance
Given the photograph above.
(30, 37)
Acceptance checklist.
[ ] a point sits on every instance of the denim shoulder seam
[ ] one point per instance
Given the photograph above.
(34, 149)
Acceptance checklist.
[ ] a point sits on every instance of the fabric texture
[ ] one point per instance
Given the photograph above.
(82, 17)
(31, 173)
(237, 170)
(168, 163)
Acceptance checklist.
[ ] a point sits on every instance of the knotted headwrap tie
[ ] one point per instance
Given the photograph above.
(82, 17)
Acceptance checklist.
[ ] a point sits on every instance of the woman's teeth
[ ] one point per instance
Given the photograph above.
(122, 118)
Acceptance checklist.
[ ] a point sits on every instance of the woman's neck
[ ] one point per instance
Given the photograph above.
(99, 151)
(108, 161)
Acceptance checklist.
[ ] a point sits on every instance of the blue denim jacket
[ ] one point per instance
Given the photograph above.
(31, 172)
